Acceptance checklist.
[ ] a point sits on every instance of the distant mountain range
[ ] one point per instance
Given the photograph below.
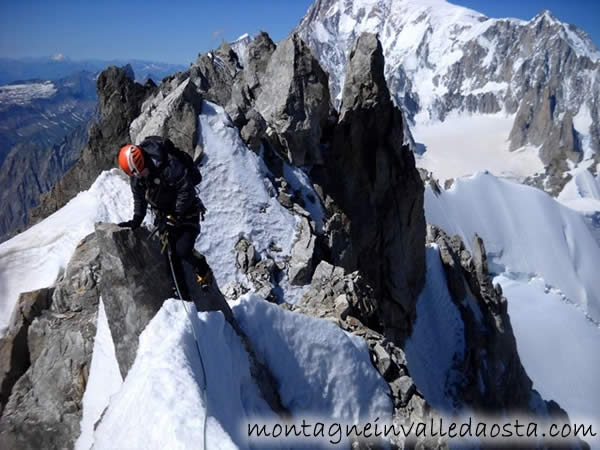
(52, 68)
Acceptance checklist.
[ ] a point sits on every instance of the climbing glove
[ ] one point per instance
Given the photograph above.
(133, 223)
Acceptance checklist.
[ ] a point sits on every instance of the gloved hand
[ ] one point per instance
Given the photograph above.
(133, 223)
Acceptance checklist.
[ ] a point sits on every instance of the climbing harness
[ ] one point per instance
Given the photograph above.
(164, 239)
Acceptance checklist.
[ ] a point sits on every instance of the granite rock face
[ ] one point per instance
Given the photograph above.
(294, 100)
(120, 100)
(495, 377)
(303, 253)
(171, 113)
(260, 272)
(44, 406)
(14, 352)
(375, 219)
(214, 72)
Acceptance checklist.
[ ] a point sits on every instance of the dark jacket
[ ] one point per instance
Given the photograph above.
(167, 188)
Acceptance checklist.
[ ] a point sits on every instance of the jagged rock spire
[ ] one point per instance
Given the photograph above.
(376, 189)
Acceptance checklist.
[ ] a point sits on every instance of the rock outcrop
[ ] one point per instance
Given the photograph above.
(539, 122)
(44, 407)
(213, 73)
(494, 376)
(173, 113)
(294, 101)
(373, 192)
(14, 352)
(303, 253)
(120, 100)
(279, 96)
(261, 272)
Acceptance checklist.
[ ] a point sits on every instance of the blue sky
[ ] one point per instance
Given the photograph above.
(176, 31)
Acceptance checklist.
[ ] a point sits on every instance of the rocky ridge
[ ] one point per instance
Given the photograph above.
(365, 267)
(349, 302)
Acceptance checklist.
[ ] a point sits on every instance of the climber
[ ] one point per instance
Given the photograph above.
(162, 177)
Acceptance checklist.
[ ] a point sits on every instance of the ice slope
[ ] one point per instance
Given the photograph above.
(240, 200)
(322, 370)
(437, 340)
(557, 345)
(525, 231)
(34, 258)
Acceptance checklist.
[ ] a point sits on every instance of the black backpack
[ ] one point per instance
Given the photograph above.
(193, 171)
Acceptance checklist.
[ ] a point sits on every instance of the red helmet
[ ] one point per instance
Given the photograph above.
(131, 160)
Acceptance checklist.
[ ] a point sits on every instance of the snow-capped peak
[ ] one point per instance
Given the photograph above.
(444, 60)
(243, 37)
(240, 45)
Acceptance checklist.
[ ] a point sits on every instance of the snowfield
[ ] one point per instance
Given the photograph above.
(464, 144)
(546, 261)
(525, 231)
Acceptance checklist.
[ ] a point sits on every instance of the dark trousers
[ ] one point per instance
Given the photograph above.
(181, 244)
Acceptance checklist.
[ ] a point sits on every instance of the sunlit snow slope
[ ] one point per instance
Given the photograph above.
(525, 231)
(548, 265)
